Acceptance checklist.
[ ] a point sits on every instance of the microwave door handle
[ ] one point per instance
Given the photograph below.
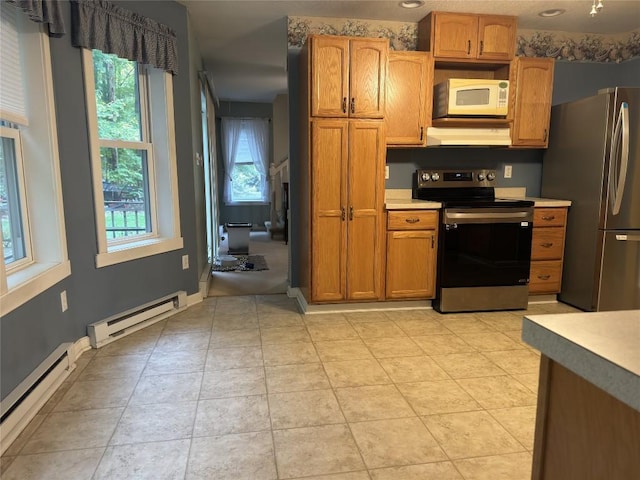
(621, 132)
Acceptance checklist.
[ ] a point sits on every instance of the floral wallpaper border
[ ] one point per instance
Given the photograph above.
(530, 43)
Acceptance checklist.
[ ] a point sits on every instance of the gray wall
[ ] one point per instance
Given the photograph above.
(31, 332)
(256, 214)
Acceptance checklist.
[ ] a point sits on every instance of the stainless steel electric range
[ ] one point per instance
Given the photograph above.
(484, 250)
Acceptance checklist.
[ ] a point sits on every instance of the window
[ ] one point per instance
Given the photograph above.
(133, 158)
(33, 244)
(246, 144)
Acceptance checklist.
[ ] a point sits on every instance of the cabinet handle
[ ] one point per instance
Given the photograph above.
(343, 216)
(546, 245)
(350, 213)
(481, 46)
(433, 237)
(353, 105)
(544, 277)
(412, 220)
(344, 104)
(548, 218)
(421, 133)
(544, 139)
(468, 47)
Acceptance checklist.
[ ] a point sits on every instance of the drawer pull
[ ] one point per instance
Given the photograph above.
(546, 245)
(412, 220)
(544, 277)
(548, 218)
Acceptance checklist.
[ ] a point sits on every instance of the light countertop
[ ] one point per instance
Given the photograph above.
(601, 347)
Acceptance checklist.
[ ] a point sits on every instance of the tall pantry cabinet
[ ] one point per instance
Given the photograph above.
(343, 159)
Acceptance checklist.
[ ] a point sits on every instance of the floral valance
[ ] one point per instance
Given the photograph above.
(104, 26)
(44, 11)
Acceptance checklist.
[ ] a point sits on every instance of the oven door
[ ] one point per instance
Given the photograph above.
(485, 246)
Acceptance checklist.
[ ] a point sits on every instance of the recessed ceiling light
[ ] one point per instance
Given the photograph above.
(411, 3)
(552, 12)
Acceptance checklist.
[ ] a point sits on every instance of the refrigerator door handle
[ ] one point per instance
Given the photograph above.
(627, 238)
(621, 132)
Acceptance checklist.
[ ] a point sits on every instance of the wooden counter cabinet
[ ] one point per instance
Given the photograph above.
(547, 249)
(412, 239)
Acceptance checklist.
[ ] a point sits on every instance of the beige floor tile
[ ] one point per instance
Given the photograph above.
(235, 304)
(413, 369)
(24, 436)
(392, 347)
(514, 466)
(235, 338)
(111, 367)
(374, 402)
(361, 475)
(355, 373)
(515, 361)
(221, 416)
(302, 452)
(292, 378)
(442, 344)
(236, 357)
(445, 396)
(332, 331)
(324, 318)
(468, 365)
(304, 409)
(386, 329)
(235, 382)
(290, 334)
(5, 461)
(185, 324)
(502, 321)
(343, 350)
(498, 392)
(373, 316)
(420, 314)
(529, 380)
(225, 323)
(471, 434)
(185, 361)
(94, 394)
(490, 341)
(243, 456)
(138, 343)
(175, 342)
(516, 336)
(57, 395)
(466, 325)
(519, 422)
(169, 388)
(426, 471)
(391, 443)
(74, 430)
(155, 423)
(145, 461)
(289, 353)
(75, 464)
(422, 326)
(276, 320)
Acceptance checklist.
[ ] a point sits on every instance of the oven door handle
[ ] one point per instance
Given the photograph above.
(487, 217)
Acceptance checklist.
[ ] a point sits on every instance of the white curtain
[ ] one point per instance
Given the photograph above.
(231, 128)
(257, 131)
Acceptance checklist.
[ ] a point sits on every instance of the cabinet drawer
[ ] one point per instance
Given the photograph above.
(549, 217)
(412, 220)
(547, 243)
(545, 277)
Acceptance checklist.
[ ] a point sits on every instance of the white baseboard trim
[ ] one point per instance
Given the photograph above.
(205, 280)
(194, 298)
(536, 299)
(80, 346)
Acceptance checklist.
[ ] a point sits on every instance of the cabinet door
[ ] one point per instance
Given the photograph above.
(496, 37)
(330, 76)
(409, 100)
(411, 264)
(365, 233)
(455, 35)
(328, 209)
(367, 74)
(532, 105)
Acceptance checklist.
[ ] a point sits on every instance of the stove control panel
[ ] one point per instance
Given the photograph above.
(454, 178)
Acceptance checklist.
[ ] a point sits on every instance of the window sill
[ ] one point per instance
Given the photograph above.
(30, 282)
(132, 251)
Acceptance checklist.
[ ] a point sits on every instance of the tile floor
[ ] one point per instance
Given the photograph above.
(247, 388)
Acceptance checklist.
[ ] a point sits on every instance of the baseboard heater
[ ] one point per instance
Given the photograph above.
(24, 402)
(116, 326)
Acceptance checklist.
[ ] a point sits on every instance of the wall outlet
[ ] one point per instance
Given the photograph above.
(63, 301)
(508, 170)
(386, 172)
(185, 262)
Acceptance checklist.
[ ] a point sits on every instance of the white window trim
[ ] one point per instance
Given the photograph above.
(164, 194)
(43, 190)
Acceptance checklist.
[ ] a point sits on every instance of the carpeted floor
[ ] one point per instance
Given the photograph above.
(251, 263)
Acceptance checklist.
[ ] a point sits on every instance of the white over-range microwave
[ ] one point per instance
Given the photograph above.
(471, 97)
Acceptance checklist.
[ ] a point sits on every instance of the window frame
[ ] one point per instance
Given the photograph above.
(157, 120)
(244, 136)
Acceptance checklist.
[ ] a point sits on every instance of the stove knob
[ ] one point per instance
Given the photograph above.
(480, 177)
(435, 177)
(424, 177)
(491, 176)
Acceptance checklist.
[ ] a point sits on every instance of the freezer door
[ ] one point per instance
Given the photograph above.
(620, 273)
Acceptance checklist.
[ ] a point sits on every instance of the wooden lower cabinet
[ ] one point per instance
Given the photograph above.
(547, 250)
(411, 254)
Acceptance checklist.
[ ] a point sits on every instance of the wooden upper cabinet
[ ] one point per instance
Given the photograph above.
(348, 76)
(532, 80)
(462, 36)
(409, 98)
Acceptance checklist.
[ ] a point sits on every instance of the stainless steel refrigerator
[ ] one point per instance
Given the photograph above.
(593, 160)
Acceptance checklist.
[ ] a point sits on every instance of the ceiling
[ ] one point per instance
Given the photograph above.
(244, 43)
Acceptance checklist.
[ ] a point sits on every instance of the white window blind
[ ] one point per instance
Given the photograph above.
(12, 103)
